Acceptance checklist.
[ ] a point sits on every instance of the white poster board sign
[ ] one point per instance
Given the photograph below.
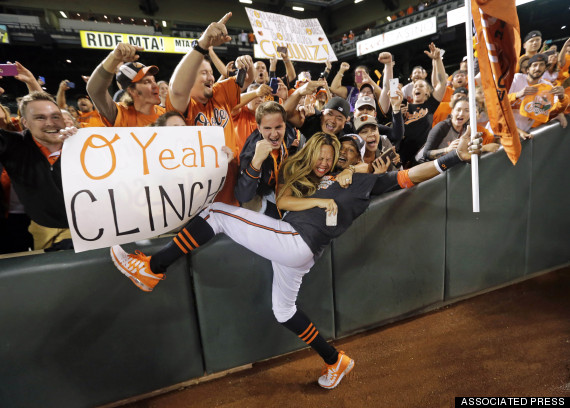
(305, 39)
(398, 36)
(126, 184)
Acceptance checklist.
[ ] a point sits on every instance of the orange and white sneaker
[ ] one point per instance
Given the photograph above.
(136, 267)
(332, 374)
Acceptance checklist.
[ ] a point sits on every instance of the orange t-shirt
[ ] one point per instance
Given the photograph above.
(217, 112)
(127, 116)
(537, 106)
(441, 113)
(90, 119)
(244, 125)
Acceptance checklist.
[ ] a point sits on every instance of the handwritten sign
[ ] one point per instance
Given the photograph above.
(126, 184)
(305, 39)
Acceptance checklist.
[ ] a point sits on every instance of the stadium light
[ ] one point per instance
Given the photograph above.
(296, 8)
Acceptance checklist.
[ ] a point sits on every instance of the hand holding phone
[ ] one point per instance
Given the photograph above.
(394, 85)
(331, 220)
(8, 70)
(282, 50)
(389, 153)
(274, 84)
(358, 77)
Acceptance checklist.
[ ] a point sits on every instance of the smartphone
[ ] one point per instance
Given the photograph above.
(389, 153)
(71, 84)
(282, 50)
(331, 220)
(274, 84)
(394, 83)
(240, 78)
(358, 77)
(8, 70)
(41, 78)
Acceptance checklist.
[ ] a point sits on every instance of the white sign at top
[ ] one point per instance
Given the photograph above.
(398, 36)
(305, 39)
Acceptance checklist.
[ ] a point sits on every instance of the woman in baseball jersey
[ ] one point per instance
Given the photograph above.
(308, 193)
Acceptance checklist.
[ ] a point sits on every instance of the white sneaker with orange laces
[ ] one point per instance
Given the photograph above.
(136, 267)
(332, 374)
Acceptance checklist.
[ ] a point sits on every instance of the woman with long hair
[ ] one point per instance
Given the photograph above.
(308, 193)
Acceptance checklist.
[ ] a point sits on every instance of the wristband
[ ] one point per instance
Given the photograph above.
(447, 161)
(352, 168)
(197, 47)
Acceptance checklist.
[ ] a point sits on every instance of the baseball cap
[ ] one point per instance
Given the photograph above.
(363, 120)
(538, 57)
(84, 97)
(364, 101)
(462, 90)
(338, 104)
(532, 34)
(358, 142)
(364, 85)
(133, 72)
(321, 89)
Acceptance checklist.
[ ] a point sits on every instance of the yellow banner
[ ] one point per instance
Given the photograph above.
(151, 43)
(4, 35)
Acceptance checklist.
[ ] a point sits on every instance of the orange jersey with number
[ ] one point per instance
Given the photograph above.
(217, 112)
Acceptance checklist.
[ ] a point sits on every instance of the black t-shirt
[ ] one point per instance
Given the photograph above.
(351, 202)
(417, 125)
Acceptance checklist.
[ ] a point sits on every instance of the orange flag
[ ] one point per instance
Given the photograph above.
(498, 47)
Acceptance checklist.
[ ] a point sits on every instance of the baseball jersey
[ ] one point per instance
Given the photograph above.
(351, 202)
(217, 112)
(520, 82)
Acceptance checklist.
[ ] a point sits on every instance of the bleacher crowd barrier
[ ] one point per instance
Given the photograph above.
(76, 333)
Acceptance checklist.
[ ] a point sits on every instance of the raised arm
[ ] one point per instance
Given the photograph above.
(336, 85)
(396, 132)
(102, 77)
(184, 75)
(289, 68)
(60, 96)
(562, 55)
(439, 76)
(384, 100)
(246, 98)
(28, 78)
(222, 69)
(295, 117)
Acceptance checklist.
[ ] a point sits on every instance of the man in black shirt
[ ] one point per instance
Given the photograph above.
(31, 159)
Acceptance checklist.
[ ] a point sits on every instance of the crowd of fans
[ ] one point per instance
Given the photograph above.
(418, 122)
(305, 156)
